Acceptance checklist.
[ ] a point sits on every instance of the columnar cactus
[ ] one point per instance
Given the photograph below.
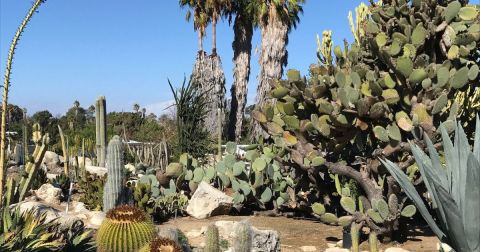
(242, 240)
(125, 229)
(114, 188)
(101, 129)
(212, 240)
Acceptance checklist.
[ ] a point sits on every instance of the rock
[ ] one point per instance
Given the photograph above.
(308, 248)
(79, 207)
(39, 208)
(208, 201)
(67, 220)
(265, 240)
(331, 245)
(336, 250)
(73, 161)
(49, 193)
(100, 171)
(393, 249)
(169, 233)
(444, 247)
(340, 244)
(52, 162)
(130, 167)
(97, 218)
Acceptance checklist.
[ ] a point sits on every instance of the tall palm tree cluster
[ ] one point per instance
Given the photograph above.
(275, 18)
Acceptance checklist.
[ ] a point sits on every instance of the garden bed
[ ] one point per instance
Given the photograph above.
(297, 233)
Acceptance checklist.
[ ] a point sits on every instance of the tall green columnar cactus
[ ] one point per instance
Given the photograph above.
(6, 85)
(101, 129)
(212, 241)
(113, 190)
(243, 237)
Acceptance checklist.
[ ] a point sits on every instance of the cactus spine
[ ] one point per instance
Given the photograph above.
(372, 241)
(243, 237)
(212, 243)
(113, 191)
(6, 85)
(101, 129)
(355, 234)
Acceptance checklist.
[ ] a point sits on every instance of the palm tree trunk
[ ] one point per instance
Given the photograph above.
(242, 47)
(214, 34)
(273, 58)
(200, 41)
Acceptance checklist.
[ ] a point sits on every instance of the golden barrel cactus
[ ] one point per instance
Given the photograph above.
(125, 228)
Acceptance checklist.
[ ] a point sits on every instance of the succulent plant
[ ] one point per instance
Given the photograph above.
(395, 82)
(212, 240)
(242, 239)
(62, 181)
(452, 185)
(92, 187)
(101, 130)
(125, 228)
(373, 241)
(170, 205)
(114, 188)
(161, 245)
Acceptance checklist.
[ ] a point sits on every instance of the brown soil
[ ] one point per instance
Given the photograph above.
(295, 233)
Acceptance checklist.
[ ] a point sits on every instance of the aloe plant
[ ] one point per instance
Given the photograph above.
(454, 188)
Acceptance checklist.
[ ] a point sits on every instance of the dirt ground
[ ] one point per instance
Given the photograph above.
(295, 233)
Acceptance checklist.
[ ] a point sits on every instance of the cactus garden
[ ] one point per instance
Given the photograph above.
(360, 132)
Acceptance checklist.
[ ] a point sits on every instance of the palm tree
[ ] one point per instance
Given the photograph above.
(215, 9)
(276, 19)
(76, 105)
(136, 107)
(200, 18)
(244, 11)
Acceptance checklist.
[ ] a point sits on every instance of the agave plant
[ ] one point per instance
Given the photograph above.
(454, 188)
(26, 232)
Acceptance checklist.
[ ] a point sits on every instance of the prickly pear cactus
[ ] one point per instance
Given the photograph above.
(114, 188)
(405, 73)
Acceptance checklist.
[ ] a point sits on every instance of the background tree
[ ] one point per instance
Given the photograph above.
(276, 19)
(215, 10)
(200, 18)
(244, 12)
(136, 108)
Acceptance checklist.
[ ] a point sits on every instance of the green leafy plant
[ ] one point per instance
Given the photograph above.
(453, 187)
(26, 231)
(92, 191)
(394, 83)
(62, 181)
(191, 110)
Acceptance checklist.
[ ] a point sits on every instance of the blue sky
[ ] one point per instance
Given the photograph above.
(126, 50)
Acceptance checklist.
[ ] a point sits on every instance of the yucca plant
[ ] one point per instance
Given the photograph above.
(454, 188)
(191, 108)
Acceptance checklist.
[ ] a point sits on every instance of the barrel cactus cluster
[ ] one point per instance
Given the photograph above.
(125, 228)
(412, 66)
